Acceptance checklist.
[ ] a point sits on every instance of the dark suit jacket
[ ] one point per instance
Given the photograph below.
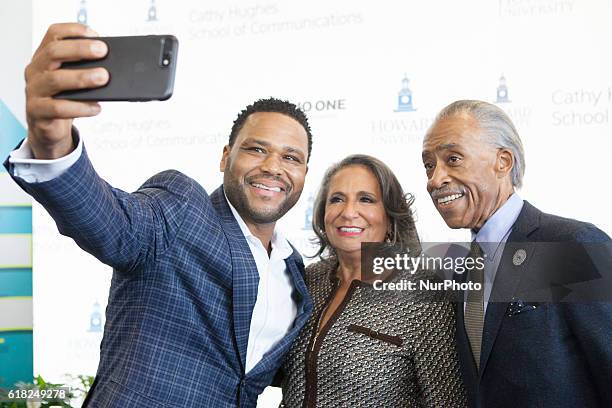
(182, 294)
(554, 355)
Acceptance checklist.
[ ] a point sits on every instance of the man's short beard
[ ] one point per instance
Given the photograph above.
(238, 198)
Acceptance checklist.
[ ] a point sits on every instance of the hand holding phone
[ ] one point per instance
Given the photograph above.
(73, 68)
(49, 119)
(141, 69)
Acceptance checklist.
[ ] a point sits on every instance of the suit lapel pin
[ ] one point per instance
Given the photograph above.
(519, 257)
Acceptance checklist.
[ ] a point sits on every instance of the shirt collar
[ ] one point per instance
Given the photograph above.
(497, 227)
(279, 242)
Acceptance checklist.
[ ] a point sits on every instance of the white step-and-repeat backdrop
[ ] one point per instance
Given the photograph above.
(371, 76)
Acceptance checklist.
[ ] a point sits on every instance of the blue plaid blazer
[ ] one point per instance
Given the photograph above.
(182, 293)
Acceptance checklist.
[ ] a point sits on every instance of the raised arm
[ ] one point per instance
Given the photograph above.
(122, 230)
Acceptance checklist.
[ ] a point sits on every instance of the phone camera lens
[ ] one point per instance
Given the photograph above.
(166, 55)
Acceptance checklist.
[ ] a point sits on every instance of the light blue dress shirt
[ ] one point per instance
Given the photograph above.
(492, 239)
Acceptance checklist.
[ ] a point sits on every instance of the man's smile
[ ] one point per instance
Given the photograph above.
(448, 199)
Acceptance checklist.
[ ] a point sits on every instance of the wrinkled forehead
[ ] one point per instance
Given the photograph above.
(456, 129)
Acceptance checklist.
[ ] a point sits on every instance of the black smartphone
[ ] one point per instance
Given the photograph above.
(141, 68)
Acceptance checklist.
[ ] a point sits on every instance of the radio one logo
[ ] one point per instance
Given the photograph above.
(323, 105)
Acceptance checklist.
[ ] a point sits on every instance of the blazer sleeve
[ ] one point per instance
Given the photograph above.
(122, 230)
(591, 322)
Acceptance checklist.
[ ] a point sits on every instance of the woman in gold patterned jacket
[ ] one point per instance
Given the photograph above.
(365, 347)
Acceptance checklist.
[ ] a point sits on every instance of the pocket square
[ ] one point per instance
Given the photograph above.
(517, 306)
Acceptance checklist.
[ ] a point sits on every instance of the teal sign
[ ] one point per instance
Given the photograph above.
(16, 348)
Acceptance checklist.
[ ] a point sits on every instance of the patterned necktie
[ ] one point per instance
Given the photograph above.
(474, 307)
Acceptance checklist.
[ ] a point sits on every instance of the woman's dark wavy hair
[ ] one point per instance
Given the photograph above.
(397, 204)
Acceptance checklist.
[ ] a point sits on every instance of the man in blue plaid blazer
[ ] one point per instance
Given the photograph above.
(187, 323)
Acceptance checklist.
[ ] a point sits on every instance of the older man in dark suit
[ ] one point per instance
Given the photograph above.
(206, 295)
(516, 351)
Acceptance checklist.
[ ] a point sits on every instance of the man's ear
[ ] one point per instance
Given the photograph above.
(505, 162)
(224, 157)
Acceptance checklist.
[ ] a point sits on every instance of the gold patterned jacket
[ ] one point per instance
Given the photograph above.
(380, 348)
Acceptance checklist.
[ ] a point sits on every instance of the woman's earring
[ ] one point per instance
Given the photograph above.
(388, 238)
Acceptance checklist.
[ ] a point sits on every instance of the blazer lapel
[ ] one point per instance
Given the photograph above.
(295, 266)
(508, 277)
(273, 357)
(245, 277)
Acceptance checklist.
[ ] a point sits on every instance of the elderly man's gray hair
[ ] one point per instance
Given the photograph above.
(496, 127)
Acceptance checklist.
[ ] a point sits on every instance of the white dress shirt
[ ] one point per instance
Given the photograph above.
(32, 170)
(274, 311)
